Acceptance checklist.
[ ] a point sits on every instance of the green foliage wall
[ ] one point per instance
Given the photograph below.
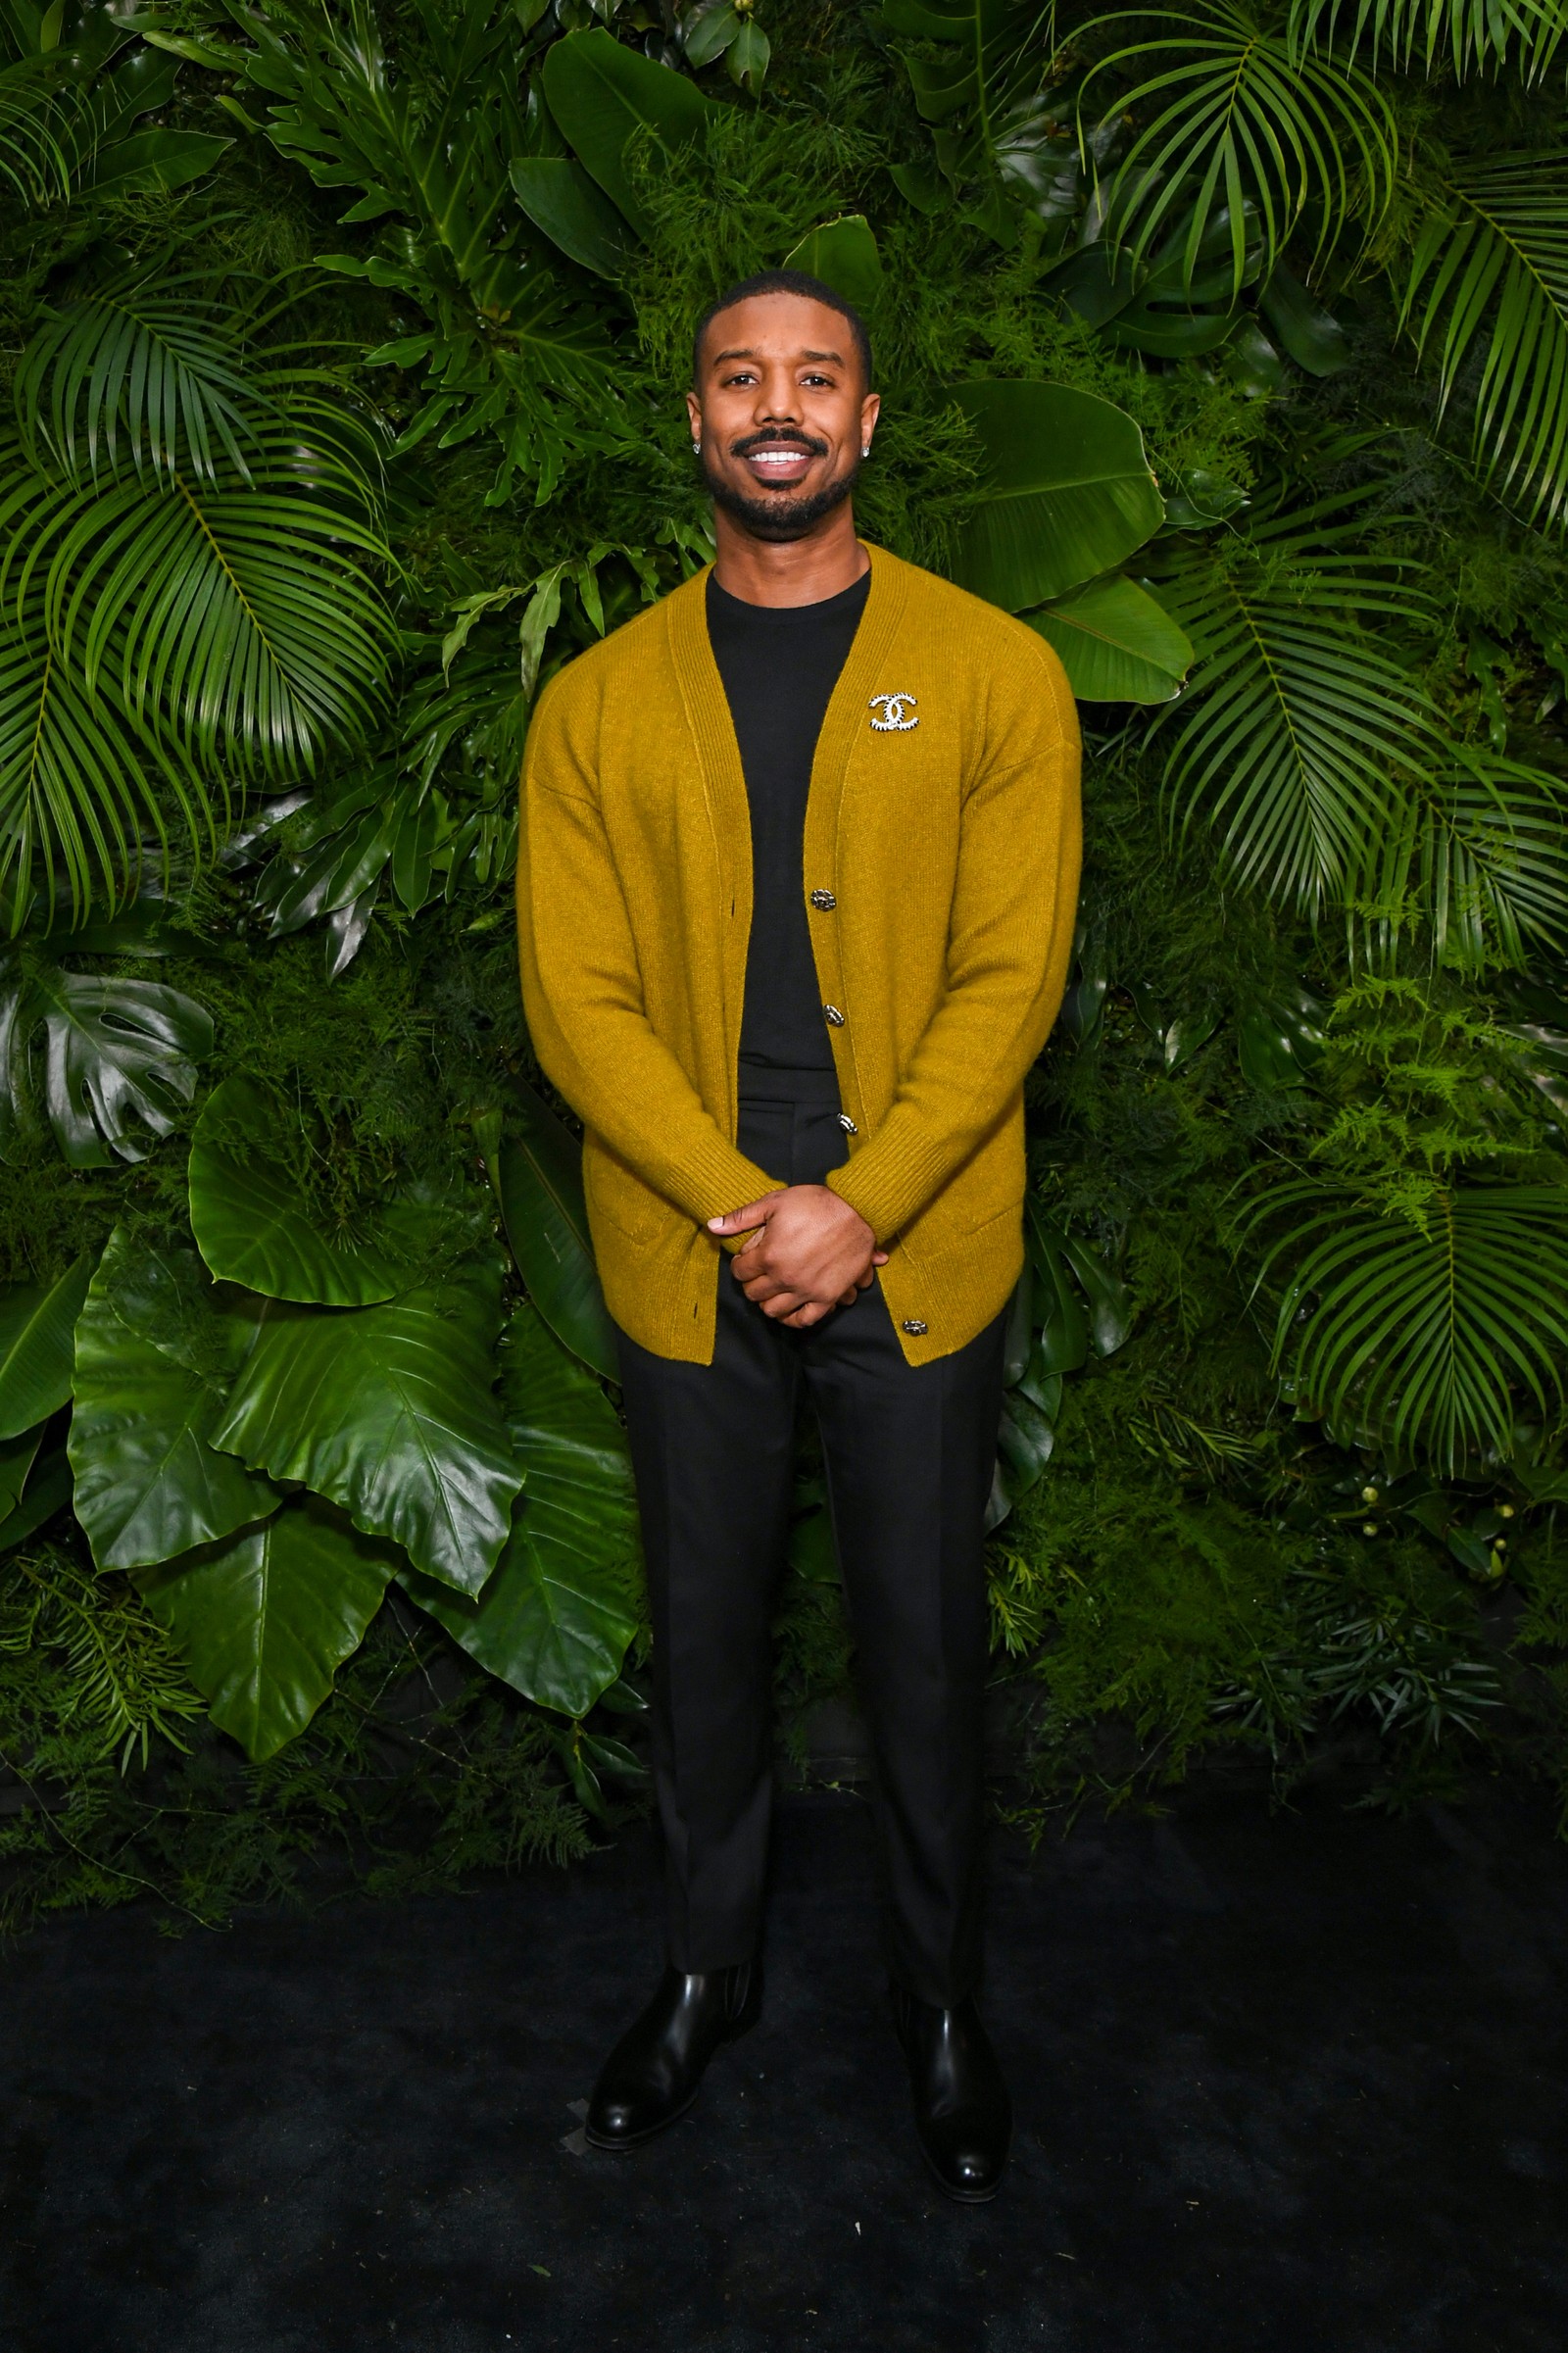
(344, 348)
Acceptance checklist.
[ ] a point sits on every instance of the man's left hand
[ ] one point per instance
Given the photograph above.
(809, 1253)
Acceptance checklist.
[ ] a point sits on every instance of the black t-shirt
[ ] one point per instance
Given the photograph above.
(780, 665)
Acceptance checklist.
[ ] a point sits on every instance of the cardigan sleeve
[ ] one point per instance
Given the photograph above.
(1009, 941)
(583, 998)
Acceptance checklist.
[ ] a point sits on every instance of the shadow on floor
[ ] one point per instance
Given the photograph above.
(1281, 2083)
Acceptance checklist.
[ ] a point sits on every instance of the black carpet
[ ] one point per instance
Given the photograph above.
(1282, 2084)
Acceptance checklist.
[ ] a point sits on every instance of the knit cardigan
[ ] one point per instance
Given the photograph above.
(941, 873)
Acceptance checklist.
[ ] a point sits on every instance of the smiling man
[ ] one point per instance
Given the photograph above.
(795, 903)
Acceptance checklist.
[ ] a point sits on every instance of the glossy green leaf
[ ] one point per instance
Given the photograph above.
(573, 212)
(707, 32)
(746, 59)
(37, 1324)
(1314, 340)
(843, 253)
(254, 1222)
(264, 1622)
(120, 1060)
(555, 1618)
(1064, 1327)
(1117, 643)
(538, 1174)
(157, 1347)
(1069, 492)
(1025, 1441)
(388, 1412)
(46, 1490)
(17, 1458)
(1280, 1040)
(157, 158)
(601, 93)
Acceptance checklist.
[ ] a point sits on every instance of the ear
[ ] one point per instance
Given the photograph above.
(694, 410)
(870, 411)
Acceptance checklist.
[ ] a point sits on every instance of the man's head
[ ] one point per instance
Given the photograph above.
(781, 404)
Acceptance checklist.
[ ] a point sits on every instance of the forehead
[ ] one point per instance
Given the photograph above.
(778, 326)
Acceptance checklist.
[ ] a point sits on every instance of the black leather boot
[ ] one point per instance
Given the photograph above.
(652, 2074)
(961, 2110)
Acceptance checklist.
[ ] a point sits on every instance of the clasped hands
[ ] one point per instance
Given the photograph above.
(808, 1252)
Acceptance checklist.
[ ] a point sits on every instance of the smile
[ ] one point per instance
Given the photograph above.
(779, 462)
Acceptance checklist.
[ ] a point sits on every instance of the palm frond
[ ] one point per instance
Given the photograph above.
(83, 778)
(1480, 856)
(1491, 260)
(1467, 34)
(1263, 134)
(1295, 724)
(240, 609)
(1421, 1326)
(156, 365)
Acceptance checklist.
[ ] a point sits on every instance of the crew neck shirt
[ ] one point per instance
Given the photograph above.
(779, 664)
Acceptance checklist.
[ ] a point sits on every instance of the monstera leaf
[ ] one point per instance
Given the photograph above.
(255, 1223)
(38, 1321)
(538, 1176)
(1117, 643)
(1068, 491)
(264, 1622)
(557, 1616)
(601, 94)
(119, 1056)
(388, 1412)
(157, 1347)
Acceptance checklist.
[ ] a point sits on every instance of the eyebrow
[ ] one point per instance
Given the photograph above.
(744, 353)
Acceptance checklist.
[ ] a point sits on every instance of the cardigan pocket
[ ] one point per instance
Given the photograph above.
(617, 1195)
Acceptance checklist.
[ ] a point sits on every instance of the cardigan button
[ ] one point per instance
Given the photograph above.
(848, 1124)
(825, 900)
(833, 1017)
(915, 1327)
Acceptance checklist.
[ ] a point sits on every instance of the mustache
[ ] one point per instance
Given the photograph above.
(776, 440)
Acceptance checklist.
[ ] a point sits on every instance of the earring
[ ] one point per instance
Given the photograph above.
(866, 448)
(696, 448)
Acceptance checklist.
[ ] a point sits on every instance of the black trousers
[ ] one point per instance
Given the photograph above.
(909, 1452)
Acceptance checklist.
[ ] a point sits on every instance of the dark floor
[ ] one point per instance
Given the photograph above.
(1281, 2083)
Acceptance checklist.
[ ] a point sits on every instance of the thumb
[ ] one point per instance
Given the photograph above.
(739, 1221)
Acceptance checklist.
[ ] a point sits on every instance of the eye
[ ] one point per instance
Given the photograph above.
(816, 379)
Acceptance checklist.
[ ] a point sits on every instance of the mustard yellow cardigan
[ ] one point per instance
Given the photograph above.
(941, 871)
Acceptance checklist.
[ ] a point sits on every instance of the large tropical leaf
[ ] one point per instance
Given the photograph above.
(1278, 140)
(256, 1222)
(1297, 721)
(68, 123)
(1419, 1323)
(264, 1621)
(538, 1176)
(157, 1347)
(1468, 35)
(1069, 492)
(1117, 643)
(37, 1322)
(120, 1060)
(557, 1616)
(573, 212)
(388, 1412)
(603, 95)
(1488, 281)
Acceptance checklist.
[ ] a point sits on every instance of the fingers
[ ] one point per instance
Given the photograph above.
(742, 1220)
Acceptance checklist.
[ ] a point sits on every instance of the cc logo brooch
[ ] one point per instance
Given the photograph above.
(894, 714)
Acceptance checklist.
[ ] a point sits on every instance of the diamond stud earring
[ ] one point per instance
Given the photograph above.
(866, 448)
(696, 448)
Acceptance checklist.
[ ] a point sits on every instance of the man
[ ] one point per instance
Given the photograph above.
(796, 898)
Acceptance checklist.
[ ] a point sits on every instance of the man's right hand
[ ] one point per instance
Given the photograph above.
(809, 1253)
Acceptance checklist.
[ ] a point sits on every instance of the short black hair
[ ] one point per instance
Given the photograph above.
(784, 281)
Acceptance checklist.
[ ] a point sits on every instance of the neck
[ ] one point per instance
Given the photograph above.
(789, 572)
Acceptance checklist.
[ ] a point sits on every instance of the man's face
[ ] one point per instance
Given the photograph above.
(780, 412)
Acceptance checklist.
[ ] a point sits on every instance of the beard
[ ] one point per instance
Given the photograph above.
(776, 516)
